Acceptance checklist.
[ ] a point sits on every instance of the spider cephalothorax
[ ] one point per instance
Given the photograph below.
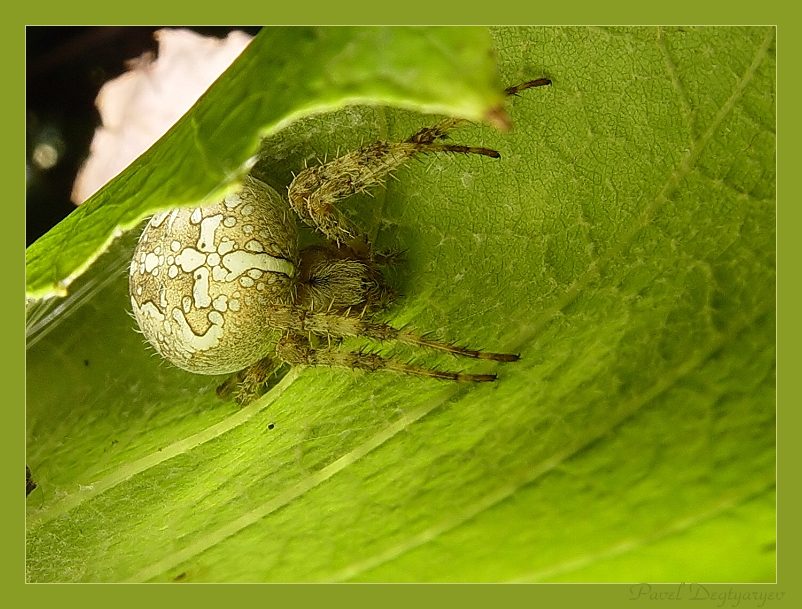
(224, 288)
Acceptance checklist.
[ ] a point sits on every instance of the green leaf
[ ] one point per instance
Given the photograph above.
(623, 244)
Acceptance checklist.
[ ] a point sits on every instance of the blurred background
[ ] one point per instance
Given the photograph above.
(65, 70)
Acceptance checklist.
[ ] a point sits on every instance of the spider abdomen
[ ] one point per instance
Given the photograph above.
(203, 280)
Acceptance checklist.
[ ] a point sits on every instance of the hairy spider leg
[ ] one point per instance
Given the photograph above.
(341, 325)
(296, 350)
(315, 191)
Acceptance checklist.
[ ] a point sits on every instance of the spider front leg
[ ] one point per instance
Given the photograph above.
(300, 322)
(344, 325)
(297, 350)
(315, 192)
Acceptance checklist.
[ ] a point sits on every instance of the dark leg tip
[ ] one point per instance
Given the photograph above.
(500, 357)
(530, 84)
(489, 152)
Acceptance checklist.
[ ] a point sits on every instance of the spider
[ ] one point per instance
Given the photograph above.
(225, 288)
